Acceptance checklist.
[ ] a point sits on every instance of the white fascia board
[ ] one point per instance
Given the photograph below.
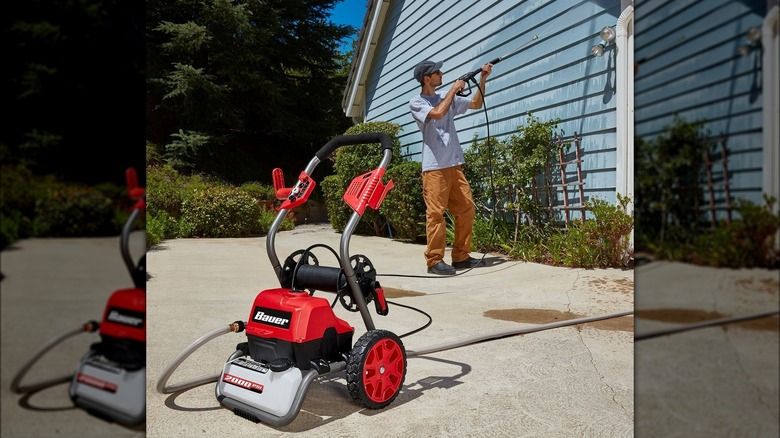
(352, 104)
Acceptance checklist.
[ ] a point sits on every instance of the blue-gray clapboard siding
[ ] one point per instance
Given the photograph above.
(554, 76)
(689, 64)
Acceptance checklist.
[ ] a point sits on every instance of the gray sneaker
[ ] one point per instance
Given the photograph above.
(441, 268)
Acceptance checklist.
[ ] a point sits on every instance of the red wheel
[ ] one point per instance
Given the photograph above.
(376, 369)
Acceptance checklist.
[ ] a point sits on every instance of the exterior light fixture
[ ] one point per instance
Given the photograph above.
(754, 41)
(754, 34)
(607, 35)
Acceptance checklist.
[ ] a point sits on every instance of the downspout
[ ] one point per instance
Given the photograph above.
(771, 103)
(624, 78)
(771, 108)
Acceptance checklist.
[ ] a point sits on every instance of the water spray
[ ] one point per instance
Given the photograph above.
(470, 76)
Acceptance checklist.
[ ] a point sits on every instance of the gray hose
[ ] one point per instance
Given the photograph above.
(16, 385)
(161, 383)
(449, 346)
(704, 324)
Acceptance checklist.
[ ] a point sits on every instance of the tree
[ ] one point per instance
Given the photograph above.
(73, 88)
(238, 88)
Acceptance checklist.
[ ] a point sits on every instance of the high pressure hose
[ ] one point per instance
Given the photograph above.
(705, 324)
(499, 335)
(16, 383)
(237, 326)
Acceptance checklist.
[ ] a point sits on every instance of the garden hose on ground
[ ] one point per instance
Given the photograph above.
(162, 388)
(16, 383)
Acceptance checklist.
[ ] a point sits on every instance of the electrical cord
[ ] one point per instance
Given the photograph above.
(430, 319)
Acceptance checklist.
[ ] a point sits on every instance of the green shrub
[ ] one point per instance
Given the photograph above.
(159, 227)
(535, 244)
(9, 228)
(155, 231)
(353, 161)
(180, 206)
(259, 191)
(507, 170)
(489, 234)
(69, 211)
(610, 231)
(267, 217)
(404, 205)
(746, 242)
(601, 242)
(574, 248)
(338, 211)
(166, 189)
(221, 212)
(18, 203)
(154, 154)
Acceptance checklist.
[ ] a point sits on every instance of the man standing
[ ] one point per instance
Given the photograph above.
(444, 184)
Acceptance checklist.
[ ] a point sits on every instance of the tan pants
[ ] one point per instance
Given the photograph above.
(447, 189)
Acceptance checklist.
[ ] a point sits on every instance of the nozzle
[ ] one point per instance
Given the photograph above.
(90, 326)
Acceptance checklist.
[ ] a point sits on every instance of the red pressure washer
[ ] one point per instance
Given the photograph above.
(110, 380)
(293, 336)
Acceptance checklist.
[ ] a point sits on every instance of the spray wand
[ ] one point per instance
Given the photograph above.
(469, 77)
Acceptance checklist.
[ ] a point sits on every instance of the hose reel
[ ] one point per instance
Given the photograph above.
(302, 271)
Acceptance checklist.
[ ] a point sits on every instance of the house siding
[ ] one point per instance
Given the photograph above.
(689, 65)
(552, 77)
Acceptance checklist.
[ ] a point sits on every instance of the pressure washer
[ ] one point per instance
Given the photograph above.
(110, 380)
(293, 336)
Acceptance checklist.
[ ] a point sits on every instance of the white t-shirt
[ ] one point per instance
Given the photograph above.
(441, 147)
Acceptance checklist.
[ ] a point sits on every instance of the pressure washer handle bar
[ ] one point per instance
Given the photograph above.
(355, 139)
(137, 194)
(304, 180)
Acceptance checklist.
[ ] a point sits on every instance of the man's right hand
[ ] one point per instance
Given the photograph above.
(458, 86)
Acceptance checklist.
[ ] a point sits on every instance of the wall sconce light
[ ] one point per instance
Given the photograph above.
(754, 41)
(607, 34)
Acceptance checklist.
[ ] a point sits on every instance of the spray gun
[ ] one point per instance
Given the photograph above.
(469, 77)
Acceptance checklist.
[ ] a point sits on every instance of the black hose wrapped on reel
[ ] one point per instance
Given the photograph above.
(301, 271)
(324, 278)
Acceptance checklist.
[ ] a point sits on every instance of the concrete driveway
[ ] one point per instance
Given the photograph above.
(715, 380)
(52, 286)
(568, 381)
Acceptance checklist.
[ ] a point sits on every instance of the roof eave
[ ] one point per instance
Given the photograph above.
(354, 93)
